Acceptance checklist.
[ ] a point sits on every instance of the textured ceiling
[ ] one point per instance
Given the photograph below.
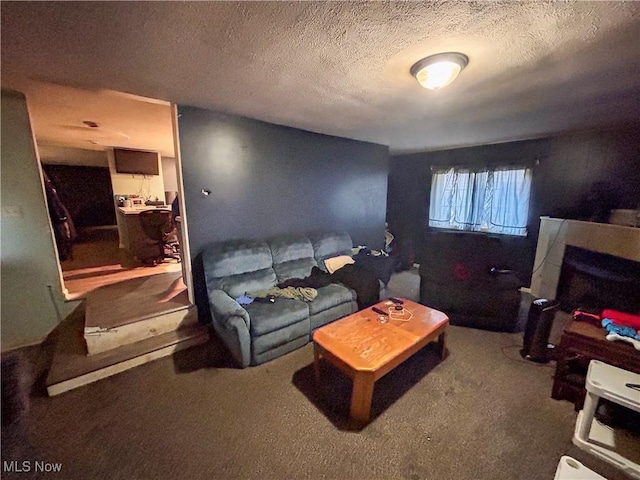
(342, 68)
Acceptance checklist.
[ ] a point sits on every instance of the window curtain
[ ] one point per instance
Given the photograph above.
(490, 200)
(441, 199)
(509, 209)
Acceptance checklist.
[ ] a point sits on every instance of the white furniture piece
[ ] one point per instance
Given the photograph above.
(571, 469)
(608, 382)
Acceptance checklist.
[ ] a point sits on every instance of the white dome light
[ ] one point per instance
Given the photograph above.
(439, 70)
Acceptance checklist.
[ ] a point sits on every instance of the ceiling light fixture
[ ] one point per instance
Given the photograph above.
(439, 70)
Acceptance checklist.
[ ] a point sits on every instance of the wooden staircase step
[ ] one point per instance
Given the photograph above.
(72, 368)
(134, 310)
(99, 340)
(135, 299)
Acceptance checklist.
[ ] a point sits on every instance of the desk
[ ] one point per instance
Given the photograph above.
(130, 230)
(580, 343)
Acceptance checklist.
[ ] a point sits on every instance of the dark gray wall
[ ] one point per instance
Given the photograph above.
(269, 179)
(569, 167)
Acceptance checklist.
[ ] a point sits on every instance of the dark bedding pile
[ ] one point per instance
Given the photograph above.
(357, 277)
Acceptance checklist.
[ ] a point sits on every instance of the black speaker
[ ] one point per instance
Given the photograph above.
(536, 346)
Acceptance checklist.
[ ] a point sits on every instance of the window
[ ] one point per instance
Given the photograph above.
(491, 200)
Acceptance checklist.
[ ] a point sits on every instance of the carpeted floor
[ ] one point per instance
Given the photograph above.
(482, 413)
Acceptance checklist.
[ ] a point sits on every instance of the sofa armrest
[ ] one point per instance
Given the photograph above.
(231, 322)
(224, 308)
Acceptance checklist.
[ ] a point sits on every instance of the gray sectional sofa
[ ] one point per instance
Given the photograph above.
(259, 332)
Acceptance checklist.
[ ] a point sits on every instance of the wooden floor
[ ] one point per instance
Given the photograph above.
(80, 282)
(135, 299)
(98, 261)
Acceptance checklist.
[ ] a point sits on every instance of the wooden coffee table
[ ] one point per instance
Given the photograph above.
(366, 349)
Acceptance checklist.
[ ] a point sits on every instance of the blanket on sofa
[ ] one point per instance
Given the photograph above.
(306, 294)
(356, 277)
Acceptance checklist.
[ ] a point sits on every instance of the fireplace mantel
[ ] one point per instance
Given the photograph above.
(556, 233)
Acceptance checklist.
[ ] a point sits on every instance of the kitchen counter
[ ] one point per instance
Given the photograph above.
(137, 210)
(132, 237)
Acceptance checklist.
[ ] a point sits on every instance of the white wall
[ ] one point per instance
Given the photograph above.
(169, 171)
(32, 299)
(148, 187)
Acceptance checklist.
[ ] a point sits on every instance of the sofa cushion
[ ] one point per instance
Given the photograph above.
(329, 244)
(233, 257)
(237, 285)
(327, 316)
(268, 317)
(300, 268)
(286, 248)
(270, 346)
(330, 296)
(281, 341)
(292, 256)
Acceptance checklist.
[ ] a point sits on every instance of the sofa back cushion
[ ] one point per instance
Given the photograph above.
(292, 256)
(239, 266)
(330, 244)
(245, 283)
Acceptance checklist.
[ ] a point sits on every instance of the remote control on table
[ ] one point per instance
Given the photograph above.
(378, 311)
(396, 301)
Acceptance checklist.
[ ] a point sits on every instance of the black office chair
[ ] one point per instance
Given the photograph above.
(162, 240)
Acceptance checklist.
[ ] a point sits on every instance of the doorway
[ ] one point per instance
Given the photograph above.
(90, 246)
(85, 198)
(76, 133)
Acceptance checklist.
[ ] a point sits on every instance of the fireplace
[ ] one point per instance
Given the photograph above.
(595, 281)
(607, 260)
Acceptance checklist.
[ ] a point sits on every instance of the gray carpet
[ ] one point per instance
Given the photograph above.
(482, 413)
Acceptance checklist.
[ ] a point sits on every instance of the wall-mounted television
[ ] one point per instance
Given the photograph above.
(136, 161)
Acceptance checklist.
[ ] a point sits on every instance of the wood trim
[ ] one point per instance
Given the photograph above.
(185, 248)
